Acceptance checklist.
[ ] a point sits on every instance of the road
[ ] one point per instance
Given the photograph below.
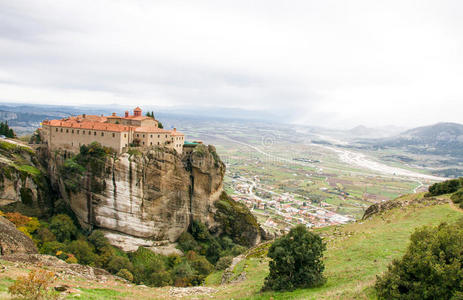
(361, 160)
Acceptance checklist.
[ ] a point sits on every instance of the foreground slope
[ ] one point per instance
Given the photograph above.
(355, 254)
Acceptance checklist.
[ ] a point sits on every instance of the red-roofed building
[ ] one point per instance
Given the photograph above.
(113, 131)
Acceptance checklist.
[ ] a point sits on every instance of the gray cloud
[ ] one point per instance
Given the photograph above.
(331, 63)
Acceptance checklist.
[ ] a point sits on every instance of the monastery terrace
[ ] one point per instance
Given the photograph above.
(113, 131)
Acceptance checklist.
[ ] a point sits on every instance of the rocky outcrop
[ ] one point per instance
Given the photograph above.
(381, 207)
(13, 241)
(23, 184)
(148, 198)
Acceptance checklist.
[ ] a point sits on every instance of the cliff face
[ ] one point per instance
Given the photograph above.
(23, 182)
(13, 240)
(145, 199)
(138, 199)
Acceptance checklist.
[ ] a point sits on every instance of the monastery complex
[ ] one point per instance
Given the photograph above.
(113, 131)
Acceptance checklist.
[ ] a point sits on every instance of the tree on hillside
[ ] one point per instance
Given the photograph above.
(160, 125)
(296, 261)
(6, 130)
(431, 267)
(150, 114)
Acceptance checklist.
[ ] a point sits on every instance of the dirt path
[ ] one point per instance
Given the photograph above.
(455, 207)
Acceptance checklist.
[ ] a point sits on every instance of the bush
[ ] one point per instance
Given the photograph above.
(183, 274)
(224, 262)
(431, 268)
(296, 261)
(187, 242)
(34, 286)
(457, 198)
(45, 235)
(126, 274)
(201, 265)
(162, 278)
(98, 239)
(83, 251)
(237, 250)
(63, 228)
(445, 187)
(71, 259)
(116, 263)
(17, 218)
(51, 248)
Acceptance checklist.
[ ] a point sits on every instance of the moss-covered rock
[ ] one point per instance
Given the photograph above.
(237, 221)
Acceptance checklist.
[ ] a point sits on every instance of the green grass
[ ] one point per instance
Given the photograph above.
(91, 294)
(355, 254)
(214, 278)
(33, 171)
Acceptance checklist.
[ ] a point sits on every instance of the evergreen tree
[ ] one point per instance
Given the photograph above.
(6, 130)
(296, 261)
(430, 269)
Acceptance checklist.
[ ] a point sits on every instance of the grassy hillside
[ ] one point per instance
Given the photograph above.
(355, 254)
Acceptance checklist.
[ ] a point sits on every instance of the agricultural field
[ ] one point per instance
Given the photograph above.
(286, 175)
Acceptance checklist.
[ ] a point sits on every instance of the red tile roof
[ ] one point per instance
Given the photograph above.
(99, 123)
(88, 125)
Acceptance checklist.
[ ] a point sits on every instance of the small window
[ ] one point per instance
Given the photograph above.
(83, 131)
(94, 133)
(138, 135)
(67, 130)
(143, 135)
(114, 135)
(61, 129)
(102, 134)
(166, 136)
(56, 129)
(143, 143)
(125, 135)
(158, 144)
(151, 136)
(89, 132)
(159, 136)
(72, 131)
(151, 143)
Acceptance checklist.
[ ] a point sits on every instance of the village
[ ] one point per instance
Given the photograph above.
(281, 211)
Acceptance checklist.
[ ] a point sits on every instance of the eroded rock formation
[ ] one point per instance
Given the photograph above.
(13, 241)
(148, 199)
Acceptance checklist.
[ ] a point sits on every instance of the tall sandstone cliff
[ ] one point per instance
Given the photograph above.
(138, 199)
(150, 198)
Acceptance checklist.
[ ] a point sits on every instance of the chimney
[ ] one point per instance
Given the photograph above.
(114, 114)
(175, 129)
(83, 116)
(127, 114)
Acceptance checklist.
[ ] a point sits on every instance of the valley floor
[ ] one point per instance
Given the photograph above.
(355, 254)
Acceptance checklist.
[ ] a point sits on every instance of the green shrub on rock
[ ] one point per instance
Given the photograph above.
(126, 274)
(51, 248)
(83, 251)
(237, 221)
(296, 261)
(223, 262)
(431, 267)
(117, 263)
(63, 227)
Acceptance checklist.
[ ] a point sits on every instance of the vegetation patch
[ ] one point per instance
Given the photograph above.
(90, 161)
(237, 221)
(454, 187)
(431, 268)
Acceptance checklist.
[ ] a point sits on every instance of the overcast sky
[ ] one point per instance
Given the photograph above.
(328, 63)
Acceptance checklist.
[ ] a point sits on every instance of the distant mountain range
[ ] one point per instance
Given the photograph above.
(441, 138)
